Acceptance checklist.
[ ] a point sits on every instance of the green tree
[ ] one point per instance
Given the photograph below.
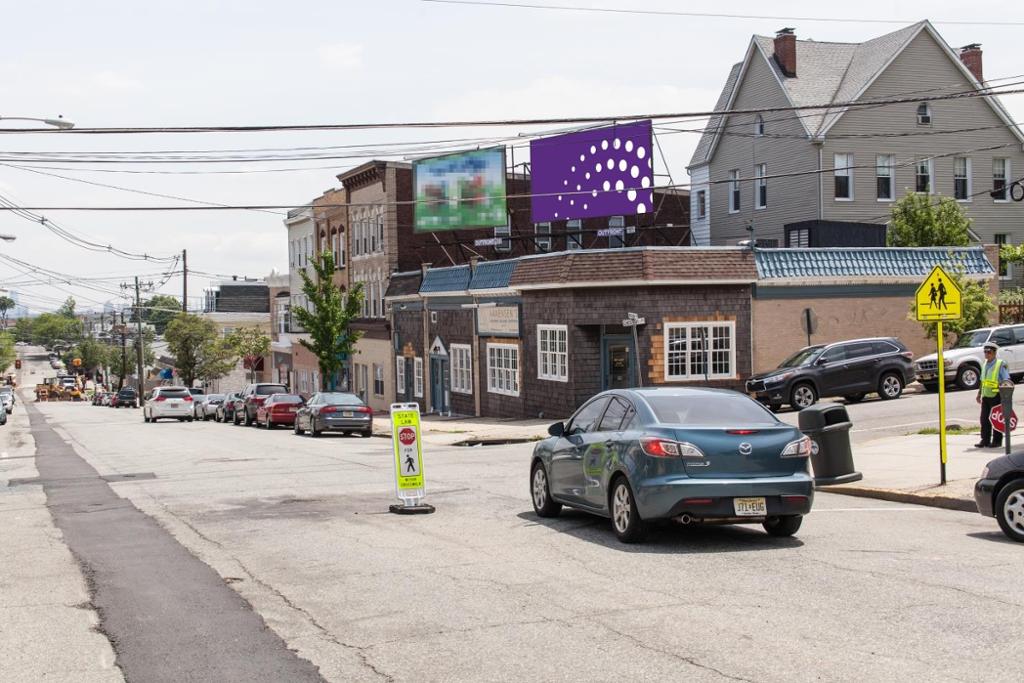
(331, 337)
(49, 328)
(123, 362)
(159, 311)
(6, 304)
(67, 309)
(92, 353)
(7, 353)
(252, 344)
(199, 352)
(919, 222)
(976, 303)
(23, 330)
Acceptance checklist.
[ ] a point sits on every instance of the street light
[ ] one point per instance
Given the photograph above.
(56, 123)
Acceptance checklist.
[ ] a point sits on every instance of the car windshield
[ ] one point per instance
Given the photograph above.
(711, 410)
(126, 392)
(339, 399)
(802, 357)
(973, 339)
(287, 398)
(268, 389)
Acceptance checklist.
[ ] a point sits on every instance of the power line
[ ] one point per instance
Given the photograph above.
(714, 15)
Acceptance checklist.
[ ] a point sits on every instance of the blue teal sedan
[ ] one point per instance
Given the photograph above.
(695, 455)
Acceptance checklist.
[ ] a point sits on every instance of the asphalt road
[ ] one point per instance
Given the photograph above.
(484, 590)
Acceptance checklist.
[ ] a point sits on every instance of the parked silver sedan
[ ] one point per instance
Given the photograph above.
(205, 406)
(334, 411)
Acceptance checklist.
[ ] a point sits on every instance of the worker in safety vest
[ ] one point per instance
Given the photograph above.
(993, 374)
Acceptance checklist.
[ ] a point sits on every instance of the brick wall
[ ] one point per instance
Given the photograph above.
(453, 326)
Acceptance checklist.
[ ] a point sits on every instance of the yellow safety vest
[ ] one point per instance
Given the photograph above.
(990, 380)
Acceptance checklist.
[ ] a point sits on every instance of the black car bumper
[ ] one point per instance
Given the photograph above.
(984, 490)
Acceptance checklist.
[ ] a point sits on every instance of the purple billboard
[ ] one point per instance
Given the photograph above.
(600, 172)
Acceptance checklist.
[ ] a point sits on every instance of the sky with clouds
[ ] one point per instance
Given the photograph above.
(226, 62)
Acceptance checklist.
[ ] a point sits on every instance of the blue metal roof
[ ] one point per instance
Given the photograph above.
(868, 262)
(453, 279)
(492, 274)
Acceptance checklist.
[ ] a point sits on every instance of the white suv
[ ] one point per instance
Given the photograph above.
(168, 402)
(962, 364)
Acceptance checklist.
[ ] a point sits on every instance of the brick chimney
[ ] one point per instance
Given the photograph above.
(785, 51)
(970, 55)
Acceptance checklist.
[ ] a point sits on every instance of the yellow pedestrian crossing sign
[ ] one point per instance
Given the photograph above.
(938, 298)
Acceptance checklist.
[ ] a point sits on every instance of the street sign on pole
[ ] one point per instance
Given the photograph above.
(408, 450)
(937, 299)
(995, 417)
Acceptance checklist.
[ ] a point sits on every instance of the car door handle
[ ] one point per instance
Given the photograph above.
(609, 443)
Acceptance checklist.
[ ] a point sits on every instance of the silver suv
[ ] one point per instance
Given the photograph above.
(963, 363)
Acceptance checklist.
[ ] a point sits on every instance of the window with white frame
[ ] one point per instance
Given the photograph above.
(734, 191)
(374, 301)
(553, 352)
(962, 179)
(1005, 268)
(542, 241)
(504, 232)
(695, 351)
(574, 234)
(378, 380)
(380, 229)
(382, 289)
(761, 186)
(702, 210)
(400, 375)
(1000, 172)
(923, 176)
(924, 114)
(462, 368)
(417, 377)
(617, 240)
(503, 369)
(758, 126)
(884, 179)
(842, 169)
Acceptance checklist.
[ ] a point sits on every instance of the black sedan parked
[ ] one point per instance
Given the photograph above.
(1000, 494)
(334, 411)
(851, 369)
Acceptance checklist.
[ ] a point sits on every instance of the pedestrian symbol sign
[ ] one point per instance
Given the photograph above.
(938, 298)
(405, 428)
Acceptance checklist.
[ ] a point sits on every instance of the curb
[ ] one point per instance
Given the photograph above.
(930, 500)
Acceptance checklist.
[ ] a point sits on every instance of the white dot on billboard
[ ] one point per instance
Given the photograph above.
(593, 149)
(604, 144)
(572, 202)
(579, 187)
(607, 186)
(556, 214)
(641, 208)
(584, 207)
(622, 164)
(587, 176)
(645, 182)
(619, 185)
(593, 193)
(635, 171)
(631, 195)
(611, 164)
(597, 168)
(629, 145)
(559, 197)
(573, 169)
(650, 163)
(640, 152)
(650, 198)
(565, 182)
(617, 143)
(582, 157)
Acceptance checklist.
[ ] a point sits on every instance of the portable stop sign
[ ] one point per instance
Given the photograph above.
(995, 417)
(408, 451)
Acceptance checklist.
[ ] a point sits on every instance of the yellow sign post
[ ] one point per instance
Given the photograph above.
(408, 448)
(938, 299)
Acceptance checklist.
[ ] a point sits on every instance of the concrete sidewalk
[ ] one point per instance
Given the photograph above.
(906, 469)
(456, 430)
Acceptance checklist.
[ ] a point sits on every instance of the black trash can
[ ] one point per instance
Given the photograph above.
(828, 426)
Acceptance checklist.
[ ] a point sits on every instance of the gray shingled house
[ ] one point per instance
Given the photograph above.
(828, 177)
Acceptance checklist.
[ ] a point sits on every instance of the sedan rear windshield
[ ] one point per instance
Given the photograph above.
(341, 399)
(287, 398)
(174, 393)
(710, 410)
(125, 392)
(268, 389)
(215, 397)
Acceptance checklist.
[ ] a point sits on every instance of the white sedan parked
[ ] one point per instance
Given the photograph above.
(168, 402)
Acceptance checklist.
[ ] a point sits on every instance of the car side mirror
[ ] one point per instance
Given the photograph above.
(557, 429)
(820, 361)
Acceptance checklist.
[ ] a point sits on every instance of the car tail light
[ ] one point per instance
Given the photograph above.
(663, 448)
(909, 355)
(329, 409)
(280, 407)
(801, 448)
(189, 398)
(698, 501)
(794, 500)
(364, 409)
(741, 432)
(161, 398)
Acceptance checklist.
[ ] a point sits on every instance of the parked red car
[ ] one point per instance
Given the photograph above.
(251, 398)
(278, 409)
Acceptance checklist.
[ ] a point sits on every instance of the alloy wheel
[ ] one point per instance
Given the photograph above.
(803, 396)
(970, 377)
(1013, 511)
(540, 487)
(891, 386)
(621, 508)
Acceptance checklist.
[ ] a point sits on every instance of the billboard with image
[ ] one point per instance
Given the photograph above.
(591, 173)
(461, 190)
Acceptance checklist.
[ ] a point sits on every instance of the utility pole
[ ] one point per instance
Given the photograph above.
(138, 343)
(124, 353)
(184, 281)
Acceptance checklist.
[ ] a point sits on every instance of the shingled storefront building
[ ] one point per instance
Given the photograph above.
(538, 335)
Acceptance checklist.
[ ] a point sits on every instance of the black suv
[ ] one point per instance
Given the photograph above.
(251, 398)
(851, 369)
(125, 398)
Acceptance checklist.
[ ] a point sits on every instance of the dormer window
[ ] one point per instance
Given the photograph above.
(924, 115)
(759, 126)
